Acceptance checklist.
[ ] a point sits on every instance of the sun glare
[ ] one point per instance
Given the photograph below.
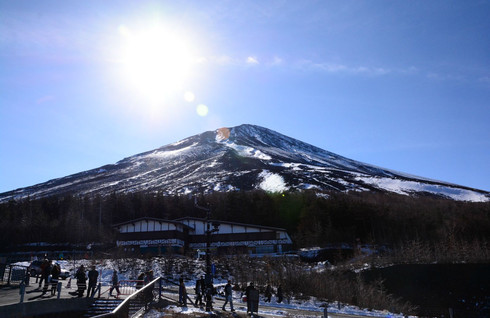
(202, 110)
(157, 61)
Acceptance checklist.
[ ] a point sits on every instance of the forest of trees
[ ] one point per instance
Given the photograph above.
(310, 219)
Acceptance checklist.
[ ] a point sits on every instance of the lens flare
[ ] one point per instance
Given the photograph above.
(202, 110)
(189, 97)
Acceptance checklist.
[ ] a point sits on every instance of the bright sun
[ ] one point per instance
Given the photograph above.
(157, 61)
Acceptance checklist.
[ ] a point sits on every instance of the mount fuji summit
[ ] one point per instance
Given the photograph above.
(245, 157)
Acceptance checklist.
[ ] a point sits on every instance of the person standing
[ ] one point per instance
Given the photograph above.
(182, 293)
(268, 293)
(199, 291)
(81, 280)
(148, 278)
(93, 274)
(140, 281)
(45, 275)
(115, 284)
(228, 296)
(279, 294)
(45, 271)
(208, 294)
(55, 275)
(249, 288)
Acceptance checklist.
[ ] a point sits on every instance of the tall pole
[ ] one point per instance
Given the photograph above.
(209, 278)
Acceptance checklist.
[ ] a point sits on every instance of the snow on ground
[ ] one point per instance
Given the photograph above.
(292, 309)
(129, 269)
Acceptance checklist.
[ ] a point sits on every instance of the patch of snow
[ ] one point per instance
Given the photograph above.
(272, 182)
(179, 142)
(170, 153)
(290, 165)
(213, 164)
(245, 151)
(407, 187)
(308, 186)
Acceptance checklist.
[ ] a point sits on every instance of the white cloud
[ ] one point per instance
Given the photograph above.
(342, 68)
(252, 60)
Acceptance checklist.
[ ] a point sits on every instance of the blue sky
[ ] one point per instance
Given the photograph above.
(404, 85)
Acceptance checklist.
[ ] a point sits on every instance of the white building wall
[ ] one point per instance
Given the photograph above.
(198, 226)
(225, 229)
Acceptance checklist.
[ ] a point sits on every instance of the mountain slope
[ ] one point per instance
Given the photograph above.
(245, 157)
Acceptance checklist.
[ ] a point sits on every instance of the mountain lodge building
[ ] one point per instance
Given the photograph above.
(159, 236)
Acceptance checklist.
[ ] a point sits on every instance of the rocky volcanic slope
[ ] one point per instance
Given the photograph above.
(245, 157)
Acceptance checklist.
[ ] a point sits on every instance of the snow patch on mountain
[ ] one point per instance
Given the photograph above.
(272, 182)
(407, 187)
(171, 153)
(246, 151)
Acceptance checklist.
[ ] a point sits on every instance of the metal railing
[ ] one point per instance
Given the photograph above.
(12, 274)
(139, 299)
(128, 287)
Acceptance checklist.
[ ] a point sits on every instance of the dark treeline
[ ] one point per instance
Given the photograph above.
(311, 220)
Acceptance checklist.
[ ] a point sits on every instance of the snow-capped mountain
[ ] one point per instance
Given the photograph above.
(245, 157)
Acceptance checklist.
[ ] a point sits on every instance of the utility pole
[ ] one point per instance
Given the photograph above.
(208, 232)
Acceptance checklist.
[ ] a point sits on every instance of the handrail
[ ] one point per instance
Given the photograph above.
(122, 310)
(13, 273)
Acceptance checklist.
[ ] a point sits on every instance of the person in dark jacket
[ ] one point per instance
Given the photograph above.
(249, 300)
(200, 288)
(268, 293)
(45, 271)
(81, 280)
(140, 281)
(182, 293)
(45, 275)
(208, 294)
(148, 278)
(279, 294)
(115, 284)
(55, 275)
(228, 296)
(93, 274)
